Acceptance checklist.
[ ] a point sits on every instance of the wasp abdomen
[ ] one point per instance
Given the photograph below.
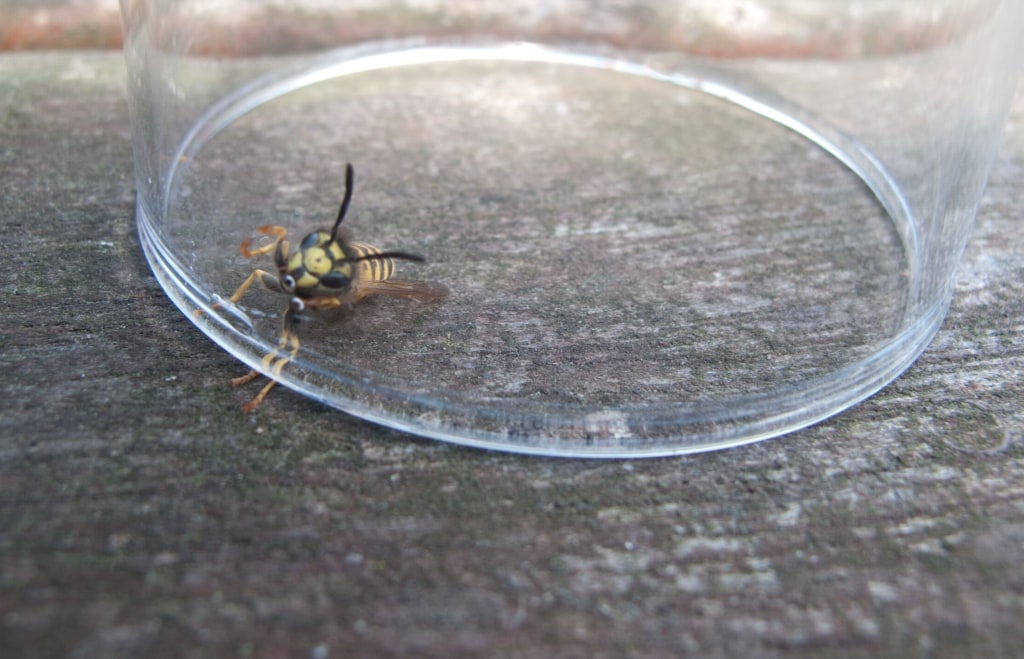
(370, 269)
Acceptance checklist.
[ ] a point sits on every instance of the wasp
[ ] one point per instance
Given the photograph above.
(328, 270)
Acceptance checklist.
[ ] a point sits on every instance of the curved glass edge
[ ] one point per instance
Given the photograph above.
(613, 433)
(633, 431)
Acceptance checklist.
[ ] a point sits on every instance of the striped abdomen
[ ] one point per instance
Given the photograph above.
(378, 269)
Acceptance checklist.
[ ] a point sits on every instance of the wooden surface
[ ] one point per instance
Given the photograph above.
(142, 515)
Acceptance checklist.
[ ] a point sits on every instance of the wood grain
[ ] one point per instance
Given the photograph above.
(142, 515)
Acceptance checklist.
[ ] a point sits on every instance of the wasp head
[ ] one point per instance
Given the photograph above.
(319, 267)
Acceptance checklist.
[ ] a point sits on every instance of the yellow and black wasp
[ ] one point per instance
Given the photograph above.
(328, 270)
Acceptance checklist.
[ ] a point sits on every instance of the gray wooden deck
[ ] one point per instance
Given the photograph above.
(142, 515)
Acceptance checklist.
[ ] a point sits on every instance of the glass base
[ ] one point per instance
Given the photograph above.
(639, 263)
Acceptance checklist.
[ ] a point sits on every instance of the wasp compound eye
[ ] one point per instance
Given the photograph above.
(335, 280)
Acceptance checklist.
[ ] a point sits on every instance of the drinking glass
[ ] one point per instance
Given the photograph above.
(664, 226)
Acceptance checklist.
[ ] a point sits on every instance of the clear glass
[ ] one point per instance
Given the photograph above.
(666, 227)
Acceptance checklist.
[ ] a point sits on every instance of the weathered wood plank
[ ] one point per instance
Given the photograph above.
(140, 514)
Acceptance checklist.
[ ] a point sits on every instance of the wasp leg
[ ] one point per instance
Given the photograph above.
(324, 303)
(273, 362)
(268, 280)
(291, 341)
(278, 234)
(245, 379)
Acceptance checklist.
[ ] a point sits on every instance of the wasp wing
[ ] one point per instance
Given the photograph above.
(408, 289)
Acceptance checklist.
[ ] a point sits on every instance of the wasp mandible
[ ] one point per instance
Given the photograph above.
(328, 270)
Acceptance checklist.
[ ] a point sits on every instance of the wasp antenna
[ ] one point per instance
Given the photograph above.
(391, 255)
(350, 175)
